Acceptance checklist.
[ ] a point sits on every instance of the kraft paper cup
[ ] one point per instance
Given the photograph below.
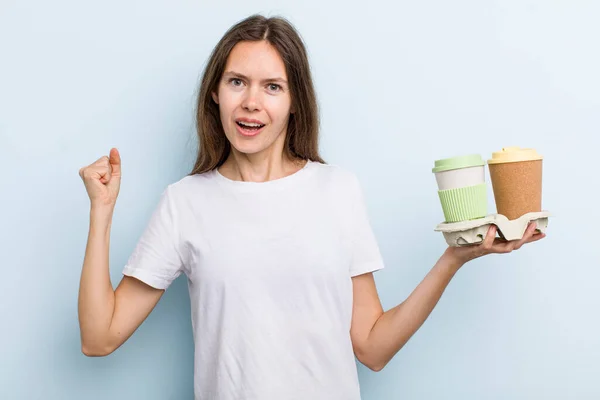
(461, 187)
(516, 175)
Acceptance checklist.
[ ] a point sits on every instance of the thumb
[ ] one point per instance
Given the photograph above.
(115, 162)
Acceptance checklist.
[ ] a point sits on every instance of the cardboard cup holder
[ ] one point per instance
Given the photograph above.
(472, 232)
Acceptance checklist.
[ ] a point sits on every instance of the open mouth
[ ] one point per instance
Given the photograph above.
(249, 128)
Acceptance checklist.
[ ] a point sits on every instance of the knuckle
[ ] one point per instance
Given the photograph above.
(88, 173)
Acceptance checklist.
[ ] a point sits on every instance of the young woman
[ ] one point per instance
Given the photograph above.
(276, 244)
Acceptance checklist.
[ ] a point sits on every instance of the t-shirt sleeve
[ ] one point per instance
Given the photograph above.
(156, 259)
(366, 255)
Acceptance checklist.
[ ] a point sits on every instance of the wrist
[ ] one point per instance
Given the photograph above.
(452, 260)
(101, 213)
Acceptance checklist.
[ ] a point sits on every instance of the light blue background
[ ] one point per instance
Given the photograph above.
(400, 85)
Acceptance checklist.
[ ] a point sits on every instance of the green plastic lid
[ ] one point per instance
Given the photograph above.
(447, 164)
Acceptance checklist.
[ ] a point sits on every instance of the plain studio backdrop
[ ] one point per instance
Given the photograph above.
(400, 85)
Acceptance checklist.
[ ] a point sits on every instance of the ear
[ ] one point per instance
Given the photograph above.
(292, 109)
(215, 97)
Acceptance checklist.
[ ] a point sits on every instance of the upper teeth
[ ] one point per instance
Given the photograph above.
(249, 124)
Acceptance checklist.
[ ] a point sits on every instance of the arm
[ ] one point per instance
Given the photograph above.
(377, 336)
(108, 318)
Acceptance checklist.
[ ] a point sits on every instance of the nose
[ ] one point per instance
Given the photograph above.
(251, 101)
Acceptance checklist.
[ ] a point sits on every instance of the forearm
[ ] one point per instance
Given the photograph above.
(96, 294)
(396, 326)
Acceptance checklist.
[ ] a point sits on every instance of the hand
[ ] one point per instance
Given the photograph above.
(102, 179)
(493, 245)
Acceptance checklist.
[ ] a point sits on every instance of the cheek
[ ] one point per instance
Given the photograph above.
(226, 105)
(279, 110)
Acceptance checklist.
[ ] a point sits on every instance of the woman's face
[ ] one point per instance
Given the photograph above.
(254, 99)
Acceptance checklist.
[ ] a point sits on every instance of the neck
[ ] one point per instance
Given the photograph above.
(259, 167)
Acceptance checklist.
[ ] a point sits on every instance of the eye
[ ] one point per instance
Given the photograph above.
(235, 81)
(274, 87)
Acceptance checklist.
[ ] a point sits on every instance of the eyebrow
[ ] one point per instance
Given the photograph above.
(241, 76)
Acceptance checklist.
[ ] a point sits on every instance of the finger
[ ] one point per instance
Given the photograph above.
(506, 247)
(94, 171)
(526, 236)
(532, 228)
(502, 246)
(489, 240)
(105, 174)
(101, 162)
(536, 237)
(529, 232)
(115, 161)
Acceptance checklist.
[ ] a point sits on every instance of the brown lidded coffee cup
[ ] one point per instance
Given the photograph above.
(516, 176)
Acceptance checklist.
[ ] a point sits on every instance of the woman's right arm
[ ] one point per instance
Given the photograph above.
(107, 317)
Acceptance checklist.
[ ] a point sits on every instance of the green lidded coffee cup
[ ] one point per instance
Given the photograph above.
(461, 187)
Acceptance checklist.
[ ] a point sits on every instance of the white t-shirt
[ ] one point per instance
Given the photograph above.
(269, 269)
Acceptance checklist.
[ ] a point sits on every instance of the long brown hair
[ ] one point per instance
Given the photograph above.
(302, 139)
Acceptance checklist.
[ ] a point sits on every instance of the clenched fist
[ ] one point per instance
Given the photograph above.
(102, 179)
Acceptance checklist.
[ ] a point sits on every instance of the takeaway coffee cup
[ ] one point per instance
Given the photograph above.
(516, 175)
(461, 187)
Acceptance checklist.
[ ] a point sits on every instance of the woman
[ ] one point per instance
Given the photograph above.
(275, 243)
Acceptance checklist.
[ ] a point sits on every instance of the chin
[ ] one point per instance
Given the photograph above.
(248, 148)
(253, 145)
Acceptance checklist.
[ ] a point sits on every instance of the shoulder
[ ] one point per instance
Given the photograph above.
(189, 181)
(189, 186)
(336, 175)
(341, 184)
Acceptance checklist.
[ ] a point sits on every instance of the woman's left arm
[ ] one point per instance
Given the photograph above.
(377, 336)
